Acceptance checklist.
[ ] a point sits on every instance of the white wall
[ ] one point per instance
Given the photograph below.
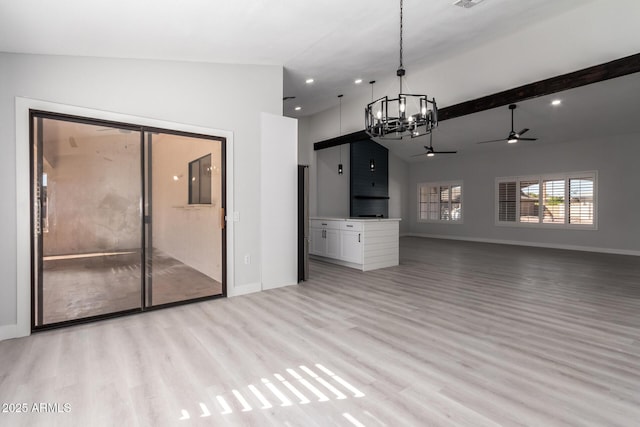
(618, 178)
(399, 191)
(190, 234)
(279, 200)
(332, 189)
(227, 97)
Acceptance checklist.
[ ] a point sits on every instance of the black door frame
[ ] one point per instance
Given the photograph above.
(145, 215)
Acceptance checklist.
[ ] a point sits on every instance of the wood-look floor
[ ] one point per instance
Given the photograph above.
(460, 334)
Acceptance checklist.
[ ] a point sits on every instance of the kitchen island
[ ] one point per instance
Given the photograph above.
(362, 243)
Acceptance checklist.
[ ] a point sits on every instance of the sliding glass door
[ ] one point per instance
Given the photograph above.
(186, 227)
(124, 218)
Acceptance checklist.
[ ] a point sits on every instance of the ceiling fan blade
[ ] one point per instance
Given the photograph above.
(525, 130)
(444, 152)
(527, 139)
(493, 140)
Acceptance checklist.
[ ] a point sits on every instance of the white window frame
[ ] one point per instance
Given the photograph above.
(566, 176)
(442, 184)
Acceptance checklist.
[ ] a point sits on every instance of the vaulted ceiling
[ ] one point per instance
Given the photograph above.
(332, 41)
(336, 41)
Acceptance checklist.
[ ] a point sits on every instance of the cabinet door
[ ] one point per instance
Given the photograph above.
(333, 243)
(318, 244)
(351, 246)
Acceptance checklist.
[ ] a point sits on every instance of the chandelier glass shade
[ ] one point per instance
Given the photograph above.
(405, 116)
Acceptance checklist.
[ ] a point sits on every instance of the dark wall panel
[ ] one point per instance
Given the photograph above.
(369, 189)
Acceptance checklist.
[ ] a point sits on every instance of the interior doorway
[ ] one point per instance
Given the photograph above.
(125, 218)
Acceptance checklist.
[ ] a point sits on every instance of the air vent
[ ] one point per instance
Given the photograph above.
(467, 3)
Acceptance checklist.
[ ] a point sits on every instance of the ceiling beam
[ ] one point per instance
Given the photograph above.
(340, 140)
(597, 73)
(609, 70)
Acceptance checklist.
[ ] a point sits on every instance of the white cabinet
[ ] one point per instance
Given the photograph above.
(358, 243)
(317, 244)
(333, 243)
(351, 246)
(325, 239)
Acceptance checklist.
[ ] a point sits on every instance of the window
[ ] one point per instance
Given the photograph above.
(440, 202)
(566, 199)
(200, 181)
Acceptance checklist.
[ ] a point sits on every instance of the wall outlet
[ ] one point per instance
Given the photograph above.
(247, 259)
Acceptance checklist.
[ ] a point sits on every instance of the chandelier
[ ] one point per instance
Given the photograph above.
(405, 116)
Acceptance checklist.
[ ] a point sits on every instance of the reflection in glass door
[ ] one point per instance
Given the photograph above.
(185, 205)
(87, 219)
(124, 218)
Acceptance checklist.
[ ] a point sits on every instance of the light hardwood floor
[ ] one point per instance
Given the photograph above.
(465, 334)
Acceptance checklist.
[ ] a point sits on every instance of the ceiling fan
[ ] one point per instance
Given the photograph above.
(513, 136)
(430, 151)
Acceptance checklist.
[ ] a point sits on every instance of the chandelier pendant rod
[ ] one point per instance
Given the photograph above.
(400, 71)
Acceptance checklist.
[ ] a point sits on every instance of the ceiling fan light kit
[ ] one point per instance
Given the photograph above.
(430, 151)
(513, 135)
(405, 116)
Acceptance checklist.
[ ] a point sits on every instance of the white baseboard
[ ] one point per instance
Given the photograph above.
(249, 288)
(532, 244)
(8, 331)
(279, 285)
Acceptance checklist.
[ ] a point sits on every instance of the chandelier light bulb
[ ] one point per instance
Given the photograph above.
(424, 111)
(430, 154)
(402, 106)
(379, 114)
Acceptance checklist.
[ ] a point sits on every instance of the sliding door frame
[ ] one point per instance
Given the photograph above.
(145, 181)
(223, 204)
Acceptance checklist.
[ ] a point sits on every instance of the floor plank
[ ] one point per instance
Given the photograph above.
(459, 334)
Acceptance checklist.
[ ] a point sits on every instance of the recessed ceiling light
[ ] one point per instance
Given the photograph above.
(556, 102)
(298, 108)
(308, 81)
(358, 81)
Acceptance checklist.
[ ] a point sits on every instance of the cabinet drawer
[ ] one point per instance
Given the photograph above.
(351, 226)
(320, 223)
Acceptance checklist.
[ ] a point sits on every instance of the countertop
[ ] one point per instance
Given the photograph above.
(326, 218)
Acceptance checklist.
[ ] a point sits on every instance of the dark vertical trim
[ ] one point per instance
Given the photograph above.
(223, 204)
(301, 222)
(145, 186)
(33, 254)
(148, 225)
(189, 185)
(32, 235)
(39, 237)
